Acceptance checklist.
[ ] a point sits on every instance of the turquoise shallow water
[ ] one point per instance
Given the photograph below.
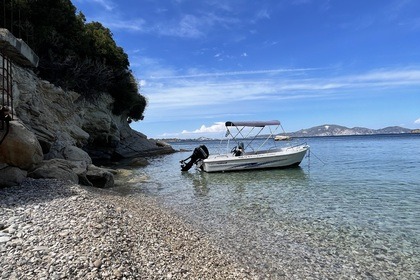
(351, 210)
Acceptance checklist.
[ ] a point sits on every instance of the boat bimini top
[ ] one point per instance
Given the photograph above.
(239, 130)
(253, 123)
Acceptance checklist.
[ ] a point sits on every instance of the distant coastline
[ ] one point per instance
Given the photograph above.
(327, 130)
(338, 130)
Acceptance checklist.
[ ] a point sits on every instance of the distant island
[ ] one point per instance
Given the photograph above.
(327, 130)
(338, 130)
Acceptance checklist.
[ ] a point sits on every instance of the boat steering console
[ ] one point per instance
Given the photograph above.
(238, 150)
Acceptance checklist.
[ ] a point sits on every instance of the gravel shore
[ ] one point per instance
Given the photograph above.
(56, 230)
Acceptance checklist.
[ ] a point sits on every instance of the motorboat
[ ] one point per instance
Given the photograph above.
(244, 155)
(282, 137)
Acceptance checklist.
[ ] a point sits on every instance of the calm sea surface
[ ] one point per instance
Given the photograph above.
(350, 211)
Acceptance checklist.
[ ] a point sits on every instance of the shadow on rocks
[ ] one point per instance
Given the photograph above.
(35, 191)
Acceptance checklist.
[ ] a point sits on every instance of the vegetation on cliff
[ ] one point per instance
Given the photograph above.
(74, 54)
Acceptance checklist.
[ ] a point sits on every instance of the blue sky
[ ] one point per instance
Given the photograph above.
(304, 62)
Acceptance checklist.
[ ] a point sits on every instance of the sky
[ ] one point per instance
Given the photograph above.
(200, 63)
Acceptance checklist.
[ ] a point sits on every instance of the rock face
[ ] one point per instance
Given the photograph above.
(62, 118)
(51, 123)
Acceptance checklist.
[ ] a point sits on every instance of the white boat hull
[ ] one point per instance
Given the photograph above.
(276, 158)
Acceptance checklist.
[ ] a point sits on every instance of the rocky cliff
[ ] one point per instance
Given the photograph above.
(66, 129)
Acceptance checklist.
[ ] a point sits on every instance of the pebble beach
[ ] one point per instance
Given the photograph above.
(51, 229)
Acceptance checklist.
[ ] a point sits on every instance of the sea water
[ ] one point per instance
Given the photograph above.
(350, 211)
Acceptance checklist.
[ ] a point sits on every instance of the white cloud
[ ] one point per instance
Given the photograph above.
(132, 25)
(182, 26)
(236, 73)
(215, 128)
(199, 94)
(417, 121)
(142, 83)
(107, 4)
(262, 14)
(389, 75)
(188, 27)
(192, 26)
(113, 21)
(216, 88)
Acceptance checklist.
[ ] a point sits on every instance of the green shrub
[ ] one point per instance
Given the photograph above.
(74, 54)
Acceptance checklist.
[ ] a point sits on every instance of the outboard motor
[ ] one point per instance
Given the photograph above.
(199, 153)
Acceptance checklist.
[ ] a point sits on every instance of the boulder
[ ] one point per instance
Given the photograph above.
(11, 176)
(76, 171)
(134, 144)
(100, 177)
(20, 147)
(78, 166)
(73, 153)
(138, 162)
(54, 169)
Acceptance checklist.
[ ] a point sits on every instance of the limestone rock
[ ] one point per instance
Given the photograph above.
(100, 177)
(134, 144)
(11, 176)
(54, 169)
(45, 137)
(20, 147)
(61, 118)
(52, 113)
(78, 166)
(139, 162)
(79, 161)
(78, 134)
(73, 153)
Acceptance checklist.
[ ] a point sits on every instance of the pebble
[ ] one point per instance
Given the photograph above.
(97, 263)
(4, 238)
(55, 230)
(51, 229)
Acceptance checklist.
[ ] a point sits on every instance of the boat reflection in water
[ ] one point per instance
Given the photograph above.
(234, 183)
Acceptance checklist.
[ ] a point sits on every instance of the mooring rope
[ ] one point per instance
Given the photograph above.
(309, 154)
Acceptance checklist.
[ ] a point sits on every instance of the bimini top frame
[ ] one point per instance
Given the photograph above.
(236, 130)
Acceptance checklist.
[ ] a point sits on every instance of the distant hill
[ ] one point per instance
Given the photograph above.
(337, 130)
(324, 130)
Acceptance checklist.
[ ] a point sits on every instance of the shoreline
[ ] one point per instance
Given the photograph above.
(51, 229)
